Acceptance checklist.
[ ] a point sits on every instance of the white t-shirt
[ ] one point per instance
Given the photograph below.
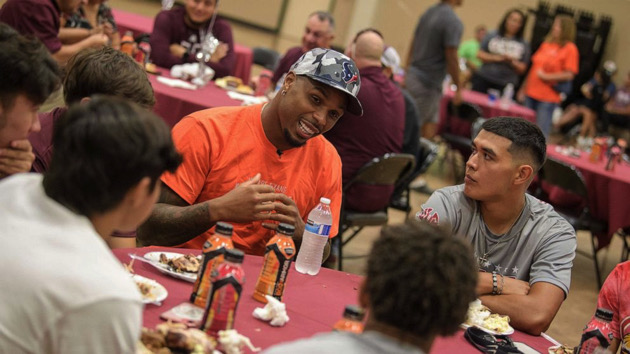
(63, 290)
(540, 246)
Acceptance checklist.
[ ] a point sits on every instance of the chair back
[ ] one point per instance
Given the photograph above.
(428, 153)
(459, 119)
(266, 57)
(384, 170)
(565, 176)
(476, 127)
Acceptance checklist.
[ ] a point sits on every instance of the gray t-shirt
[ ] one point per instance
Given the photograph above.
(503, 73)
(438, 29)
(346, 343)
(540, 246)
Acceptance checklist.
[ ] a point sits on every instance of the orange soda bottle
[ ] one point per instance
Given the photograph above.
(213, 254)
(278, 255)
(127, 44)
(352, 320)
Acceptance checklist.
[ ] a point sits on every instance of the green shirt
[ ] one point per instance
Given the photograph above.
(468, 50)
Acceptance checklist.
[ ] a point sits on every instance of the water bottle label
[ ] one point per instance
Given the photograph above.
(319, 229)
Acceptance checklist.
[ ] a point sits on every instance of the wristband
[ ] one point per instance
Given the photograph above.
(494, 283)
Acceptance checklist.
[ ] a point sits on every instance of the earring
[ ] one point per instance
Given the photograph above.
(284, 92)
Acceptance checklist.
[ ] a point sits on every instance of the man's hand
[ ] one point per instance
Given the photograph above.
(177, 50)
(286, 212)
(248, 202)
(219, 53)
(98, 40)
(18, 157)
(513, 286)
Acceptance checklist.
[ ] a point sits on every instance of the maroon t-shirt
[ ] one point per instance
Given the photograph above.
(379, 131)
(42, 140)
(170, 28)
(39, 18)
(288, 59)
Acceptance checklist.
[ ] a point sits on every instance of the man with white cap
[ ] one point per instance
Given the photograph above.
(379, 131)
(259, 165)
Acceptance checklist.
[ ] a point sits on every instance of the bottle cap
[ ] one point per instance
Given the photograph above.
(324, 200)
(354, 312)
(286, 229)
(234, 255)
(224, 228)
(604, 314)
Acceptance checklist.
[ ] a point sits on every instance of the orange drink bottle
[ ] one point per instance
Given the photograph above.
(276, 265)
(352, 320)
(213, 254)
(227, 285)
(127, 43)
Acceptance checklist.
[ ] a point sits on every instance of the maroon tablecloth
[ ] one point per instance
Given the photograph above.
(128, 21)
(489, 110)
(173, 104)
(608, 191)
(314, 304)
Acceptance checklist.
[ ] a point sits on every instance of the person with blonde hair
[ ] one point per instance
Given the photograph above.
(554, 65)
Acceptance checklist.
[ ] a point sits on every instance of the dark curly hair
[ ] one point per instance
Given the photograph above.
(419, 279)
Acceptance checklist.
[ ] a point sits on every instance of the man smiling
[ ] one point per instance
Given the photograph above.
(259, 165)
(525, 250)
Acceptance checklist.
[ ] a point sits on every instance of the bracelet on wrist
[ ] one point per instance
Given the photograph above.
(494, 283)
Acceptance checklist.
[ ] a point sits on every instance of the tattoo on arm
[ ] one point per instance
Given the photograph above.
(173, 221)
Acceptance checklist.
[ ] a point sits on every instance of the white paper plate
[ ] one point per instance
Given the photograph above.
(154, 257)
(157, 293)
(509, 331)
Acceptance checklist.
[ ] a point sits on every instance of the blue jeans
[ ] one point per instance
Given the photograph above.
(544, 112)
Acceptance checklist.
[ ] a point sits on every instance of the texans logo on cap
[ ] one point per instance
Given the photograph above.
(349, 75)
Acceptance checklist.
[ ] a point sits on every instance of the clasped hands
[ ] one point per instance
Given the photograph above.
(17, 157)
(252, 201)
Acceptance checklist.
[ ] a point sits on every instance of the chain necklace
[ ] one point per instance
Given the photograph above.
(484, 259)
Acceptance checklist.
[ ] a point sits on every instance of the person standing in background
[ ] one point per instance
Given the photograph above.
(504, 53)
(555, 61)
(468, 50)
(433, 54)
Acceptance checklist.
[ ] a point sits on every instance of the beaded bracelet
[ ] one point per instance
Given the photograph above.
(494, 283)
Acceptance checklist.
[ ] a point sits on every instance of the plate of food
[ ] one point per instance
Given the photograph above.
(481, 317)
(151, 290)
(560, 349)
(177, 265)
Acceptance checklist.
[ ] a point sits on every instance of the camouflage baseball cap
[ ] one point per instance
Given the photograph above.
(333, 69)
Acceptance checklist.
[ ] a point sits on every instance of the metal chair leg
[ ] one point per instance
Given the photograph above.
(596, 261)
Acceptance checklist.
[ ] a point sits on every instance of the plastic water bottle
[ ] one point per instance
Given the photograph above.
(508, 93)
(597, 334)
(316, 231)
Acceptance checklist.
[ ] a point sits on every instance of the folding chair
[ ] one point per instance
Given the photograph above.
(569, 178)
(265, 57)
(456, 131)
(386, 170)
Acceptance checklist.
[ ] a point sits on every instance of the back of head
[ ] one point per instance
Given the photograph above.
(369, 46)
(102, 149)
(27, 68)
(526, 137)
(106, 71)
(420, 280)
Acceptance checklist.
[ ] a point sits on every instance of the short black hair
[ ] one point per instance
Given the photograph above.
(420, 279)
(102, 149)
(519, 34)
(526, 137)
(325, 16)
(27, 68)
(106, 71)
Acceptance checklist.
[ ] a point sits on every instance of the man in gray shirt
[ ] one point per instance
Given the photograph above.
(433, 53)
(524, 249)
(406, 311)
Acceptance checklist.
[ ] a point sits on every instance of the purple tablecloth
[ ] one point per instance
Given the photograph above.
(314, 304)
(142, 24)
(608, 191)
(173, 104)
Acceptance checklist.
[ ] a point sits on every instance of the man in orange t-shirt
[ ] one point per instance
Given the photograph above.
(259, 165)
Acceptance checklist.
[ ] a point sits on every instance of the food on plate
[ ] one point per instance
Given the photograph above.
(234, 83)
(561, 349)
(146, 289)
(497, 323)
(151, 68)
(176, 337)
(481, 316)
(186, 263)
